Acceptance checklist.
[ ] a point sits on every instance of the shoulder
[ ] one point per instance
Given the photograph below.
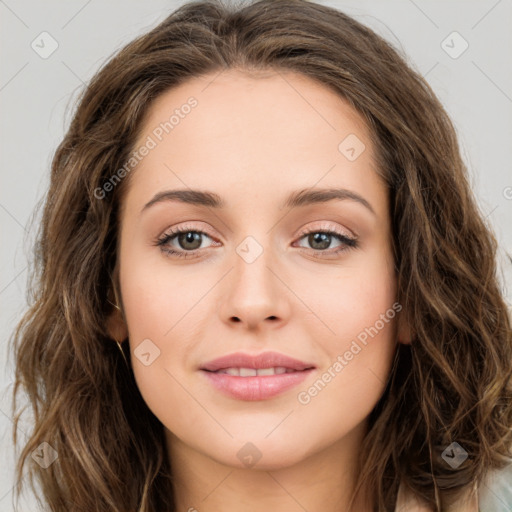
(496, 492)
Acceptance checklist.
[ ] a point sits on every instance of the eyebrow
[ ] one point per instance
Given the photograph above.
(298, 198)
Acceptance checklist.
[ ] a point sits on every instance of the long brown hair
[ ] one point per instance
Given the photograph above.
(453, 383)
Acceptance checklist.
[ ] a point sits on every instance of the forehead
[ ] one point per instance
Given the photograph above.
(233, 102)
(252, 132)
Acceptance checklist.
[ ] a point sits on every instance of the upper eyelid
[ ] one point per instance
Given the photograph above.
(324, 226)
(327, 227)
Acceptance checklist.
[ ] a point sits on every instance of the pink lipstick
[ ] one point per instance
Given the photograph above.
(256, 377)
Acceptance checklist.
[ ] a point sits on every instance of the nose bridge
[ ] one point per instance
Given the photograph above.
(252, 268)
(254, 291)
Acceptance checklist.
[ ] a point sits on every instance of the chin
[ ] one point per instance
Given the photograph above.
(261, 455)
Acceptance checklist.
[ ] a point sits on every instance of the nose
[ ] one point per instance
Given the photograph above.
(256, 295)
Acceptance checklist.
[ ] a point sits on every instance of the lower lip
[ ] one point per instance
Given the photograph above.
(258, 387)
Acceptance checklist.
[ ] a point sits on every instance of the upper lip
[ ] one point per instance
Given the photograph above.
(262, 360)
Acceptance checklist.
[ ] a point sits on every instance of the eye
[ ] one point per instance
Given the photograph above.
(320, 240)
(189, 241)
(187, 237)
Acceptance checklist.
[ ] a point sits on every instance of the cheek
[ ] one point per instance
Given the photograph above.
(154, 304)
(355, 303)
(157, 295)
(348, 387)
(359, 314)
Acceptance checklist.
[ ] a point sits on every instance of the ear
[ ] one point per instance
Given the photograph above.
(115, 321)
(405, 333)
(116, 326)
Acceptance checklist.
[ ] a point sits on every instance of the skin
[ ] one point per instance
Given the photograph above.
(253, 139)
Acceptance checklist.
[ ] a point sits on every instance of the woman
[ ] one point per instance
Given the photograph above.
(333, 339)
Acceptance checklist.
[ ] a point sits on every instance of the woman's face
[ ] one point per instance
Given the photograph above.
(249, 281)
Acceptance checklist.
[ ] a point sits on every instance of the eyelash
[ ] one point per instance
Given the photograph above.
(349, 243)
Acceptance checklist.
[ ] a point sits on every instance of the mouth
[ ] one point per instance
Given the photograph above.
(255, 376)
(256, 372)
(254, 384)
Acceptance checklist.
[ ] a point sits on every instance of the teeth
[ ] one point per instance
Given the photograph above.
(248, 372)
(266, 371)
(252, 372)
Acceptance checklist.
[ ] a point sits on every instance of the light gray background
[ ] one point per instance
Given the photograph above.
(37, 94)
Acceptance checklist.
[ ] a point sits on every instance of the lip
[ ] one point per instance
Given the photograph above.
(262, 360)
(258, 387)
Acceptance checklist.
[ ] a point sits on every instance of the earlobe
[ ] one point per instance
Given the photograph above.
(115, 322)
(116, 326)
